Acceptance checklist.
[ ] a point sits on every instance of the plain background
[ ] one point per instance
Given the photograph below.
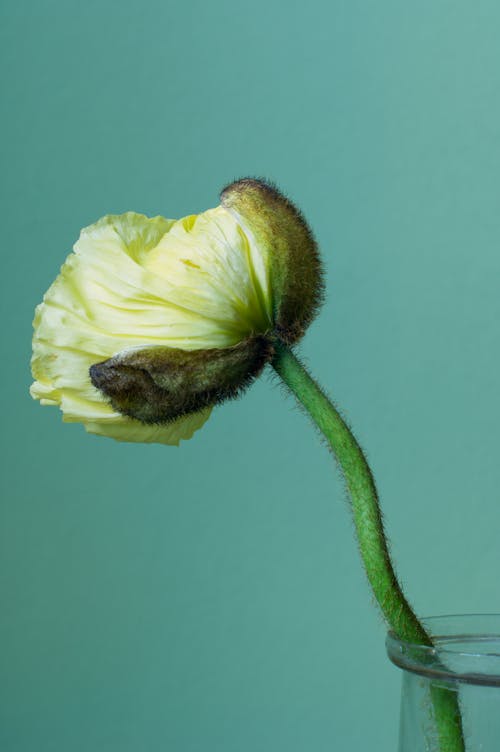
(210, 598)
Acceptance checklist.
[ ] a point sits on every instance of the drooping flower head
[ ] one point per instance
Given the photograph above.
(151, 322)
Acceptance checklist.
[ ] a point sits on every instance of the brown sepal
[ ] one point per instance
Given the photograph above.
(160, 384)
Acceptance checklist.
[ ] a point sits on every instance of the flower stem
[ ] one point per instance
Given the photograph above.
(370, 530)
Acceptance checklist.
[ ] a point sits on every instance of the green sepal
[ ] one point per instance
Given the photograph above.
(160, 384)
(296, 272)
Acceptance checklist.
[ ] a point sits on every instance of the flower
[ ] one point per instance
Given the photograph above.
(152, 321)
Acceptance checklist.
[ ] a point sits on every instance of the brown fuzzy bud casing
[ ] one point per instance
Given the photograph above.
(160, 384)
(296, 269)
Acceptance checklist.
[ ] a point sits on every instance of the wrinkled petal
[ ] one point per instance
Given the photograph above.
(212, 268)
(127, 429)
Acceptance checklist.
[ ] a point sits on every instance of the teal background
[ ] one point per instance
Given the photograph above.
(210, 598)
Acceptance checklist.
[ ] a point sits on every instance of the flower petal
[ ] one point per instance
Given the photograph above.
(211, 267)
(127, 429)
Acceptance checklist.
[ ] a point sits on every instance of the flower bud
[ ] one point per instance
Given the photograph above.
(152, 322)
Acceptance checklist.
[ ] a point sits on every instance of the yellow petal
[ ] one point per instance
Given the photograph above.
(211, 266)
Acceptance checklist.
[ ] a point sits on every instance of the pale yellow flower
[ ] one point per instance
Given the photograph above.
(134, 286)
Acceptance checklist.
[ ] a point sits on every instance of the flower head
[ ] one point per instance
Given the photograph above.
(151, 322)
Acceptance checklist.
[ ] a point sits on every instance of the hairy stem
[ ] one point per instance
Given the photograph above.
(370, 531)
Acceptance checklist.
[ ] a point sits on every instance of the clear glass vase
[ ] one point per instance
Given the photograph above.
(464, 662)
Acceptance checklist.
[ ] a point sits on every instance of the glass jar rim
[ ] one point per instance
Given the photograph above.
(466, 649)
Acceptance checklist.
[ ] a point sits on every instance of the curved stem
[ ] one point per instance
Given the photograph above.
(369, 529)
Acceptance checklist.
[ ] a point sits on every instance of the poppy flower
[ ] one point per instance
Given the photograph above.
(152, 321)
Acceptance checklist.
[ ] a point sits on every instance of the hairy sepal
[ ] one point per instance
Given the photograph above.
(296, 272)
(161, 384)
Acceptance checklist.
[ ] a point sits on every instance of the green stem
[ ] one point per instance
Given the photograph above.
(370, 530)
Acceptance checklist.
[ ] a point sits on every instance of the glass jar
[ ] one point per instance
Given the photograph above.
(465, 662)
